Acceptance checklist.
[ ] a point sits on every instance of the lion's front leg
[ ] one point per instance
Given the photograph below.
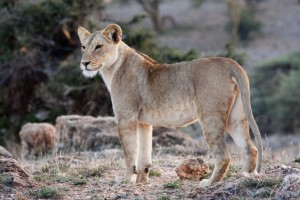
(128, 138)
(145, 151)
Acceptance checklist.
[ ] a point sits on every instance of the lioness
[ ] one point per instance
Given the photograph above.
(145, 93)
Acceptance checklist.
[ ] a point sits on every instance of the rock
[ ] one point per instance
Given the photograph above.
(86, 133)
(113, 154)
(290, 187)
(5, 153)
(14, 175)
(37, 138)
(281, 170)
(96, 134)
(192, 169)
(177, 142)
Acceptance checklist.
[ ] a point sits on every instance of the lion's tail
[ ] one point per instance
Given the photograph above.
(243, 84)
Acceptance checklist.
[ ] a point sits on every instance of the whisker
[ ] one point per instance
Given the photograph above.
(77, 68)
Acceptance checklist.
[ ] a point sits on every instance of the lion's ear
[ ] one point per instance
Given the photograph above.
(83, 33)
(113, 32)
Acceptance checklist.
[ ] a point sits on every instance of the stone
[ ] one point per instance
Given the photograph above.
(5, 153)
(176, 142)
(290, 187)
(80, 133)
(37, 139)
(192, 169)
(86, 132)
(14, 175)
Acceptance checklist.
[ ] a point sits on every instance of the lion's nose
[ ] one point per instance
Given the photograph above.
(86, 63)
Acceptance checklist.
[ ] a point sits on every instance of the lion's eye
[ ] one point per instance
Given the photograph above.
(98, 47)
(83, 47)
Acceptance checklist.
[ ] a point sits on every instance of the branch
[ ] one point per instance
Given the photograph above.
(146, 6)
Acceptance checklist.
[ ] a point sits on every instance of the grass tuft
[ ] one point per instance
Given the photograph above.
(92, 172)
(46, 192)
(6, 179)
(173, 185)
(256, 183)
(79, 181)
(297, 159)
(163, 198)
(155, 173)
(232, 170)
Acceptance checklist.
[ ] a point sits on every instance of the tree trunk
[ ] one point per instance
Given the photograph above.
(234, 12)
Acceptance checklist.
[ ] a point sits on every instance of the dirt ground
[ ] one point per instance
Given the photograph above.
(203, 28)
(100, 175)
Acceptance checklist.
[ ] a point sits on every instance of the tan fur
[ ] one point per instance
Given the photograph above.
(145, 93)
(37, 138)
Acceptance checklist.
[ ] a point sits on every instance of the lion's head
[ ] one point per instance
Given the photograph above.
(99, 49)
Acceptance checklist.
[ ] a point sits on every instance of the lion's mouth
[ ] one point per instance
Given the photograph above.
(90, 70)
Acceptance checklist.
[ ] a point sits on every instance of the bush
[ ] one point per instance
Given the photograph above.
(46, 193)
(276, 94)
(35, 36)
(248, 25)
(143, 41)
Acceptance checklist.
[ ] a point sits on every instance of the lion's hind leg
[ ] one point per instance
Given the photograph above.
(214, 132)
(238, 127)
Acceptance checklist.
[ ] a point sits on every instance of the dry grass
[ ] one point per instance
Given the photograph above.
(87, 176)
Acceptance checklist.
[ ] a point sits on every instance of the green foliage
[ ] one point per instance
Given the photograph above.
(137, 19)
(46, 192)
(173, 185)
(297, 159)
(154, 173)
(269, 184)
(33, 25)
(248, 25)
(6, 179)
(197, 3)
(232, 170)
(72, 178)
(144, 41)
(80, 181)
(163, 198)
(259, 183)
(276, 94)
(231, 53)
(25, 26)
(92, 172)
(35, 37)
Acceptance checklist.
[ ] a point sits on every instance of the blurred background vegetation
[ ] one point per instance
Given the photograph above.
(40, 54)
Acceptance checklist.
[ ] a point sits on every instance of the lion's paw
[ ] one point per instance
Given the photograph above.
(204, 183)
(131, 178)
(253, 174)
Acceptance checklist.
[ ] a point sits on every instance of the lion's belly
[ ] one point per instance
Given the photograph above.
(172, 116)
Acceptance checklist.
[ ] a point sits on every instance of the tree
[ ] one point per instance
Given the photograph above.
(152, 9)
(234, 12)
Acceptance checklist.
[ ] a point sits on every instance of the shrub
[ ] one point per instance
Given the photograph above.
(231, 53)
(173, 185)
(257, 183)
(46, 192)
(248, 25)
(155, 173)
(275, 92)
(297, 159)
(35, 37)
